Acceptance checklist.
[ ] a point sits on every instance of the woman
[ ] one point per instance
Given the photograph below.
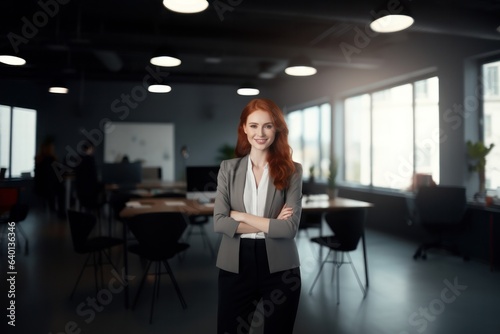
(257, 211)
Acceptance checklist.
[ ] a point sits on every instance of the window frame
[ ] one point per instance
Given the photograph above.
(379, 88)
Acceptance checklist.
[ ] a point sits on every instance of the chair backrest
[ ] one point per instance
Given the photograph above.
(118, 201)
(8, 197)
(440, 204)
(348, 227)
(80, 224)
(158, 231)
(18, 212)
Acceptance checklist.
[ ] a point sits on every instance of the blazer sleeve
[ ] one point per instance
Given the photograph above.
(223, 223)
(287, 228)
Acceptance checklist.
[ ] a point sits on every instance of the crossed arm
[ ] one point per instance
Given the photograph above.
(249, 223)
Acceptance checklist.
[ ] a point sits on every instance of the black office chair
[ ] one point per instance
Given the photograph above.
(12, 210)
(310, 220)
(348, 227)
(440, 211)
(195, 221)
(117, 201)
(81, 225)
(199, 222)
(158, 237)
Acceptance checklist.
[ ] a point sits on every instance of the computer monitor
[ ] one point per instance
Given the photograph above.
(201, 182)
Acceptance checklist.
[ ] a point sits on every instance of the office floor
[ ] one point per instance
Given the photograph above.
(440, 295)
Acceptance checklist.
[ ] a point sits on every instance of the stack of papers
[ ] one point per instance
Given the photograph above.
(136, 205)
(175, 203)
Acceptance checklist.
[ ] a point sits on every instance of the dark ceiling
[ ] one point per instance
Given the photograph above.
(231, 42)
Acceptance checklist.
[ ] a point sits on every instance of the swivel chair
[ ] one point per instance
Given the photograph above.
(440, 211)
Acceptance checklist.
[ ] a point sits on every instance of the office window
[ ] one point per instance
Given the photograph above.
(357, 134)
(491, 121)
(490, 74)
(17, 140)
(391, 134)
(310, 139)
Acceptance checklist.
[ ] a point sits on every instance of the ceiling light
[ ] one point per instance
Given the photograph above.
(159, 88)
(213, 60)
(12, 60)
(247, 89)
(186, 6)
(301, 67)
(391, 19)
(165, 61)
(166, 57)
(58, 90)
(58, 87)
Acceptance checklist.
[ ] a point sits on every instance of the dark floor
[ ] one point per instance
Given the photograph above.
(440, 295)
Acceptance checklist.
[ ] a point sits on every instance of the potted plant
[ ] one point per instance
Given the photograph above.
(332, 185)
(226, 152)
(477, 153)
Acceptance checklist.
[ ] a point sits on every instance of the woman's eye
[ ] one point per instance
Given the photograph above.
(269, 126)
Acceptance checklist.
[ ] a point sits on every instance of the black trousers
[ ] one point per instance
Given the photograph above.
(239, 294)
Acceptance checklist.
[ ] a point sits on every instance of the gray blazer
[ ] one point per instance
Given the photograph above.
(280, 243)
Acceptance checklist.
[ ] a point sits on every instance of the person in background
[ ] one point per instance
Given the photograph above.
(89, 190)
(257, 210)
(47, 184)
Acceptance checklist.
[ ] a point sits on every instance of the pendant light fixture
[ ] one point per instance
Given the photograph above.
(248, 89)
(12, 60)
(159, 88)
(300, 66)
(186, 6)
(58, 87)
(391, 18)
(165, 57)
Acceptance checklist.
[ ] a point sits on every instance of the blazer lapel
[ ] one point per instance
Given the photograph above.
(239, 182)
(271, 192)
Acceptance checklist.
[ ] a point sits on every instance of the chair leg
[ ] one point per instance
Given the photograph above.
(357, 276)
(319, 272)
(79, 276)
(109, 259)
(96, 268)
(338, 264)
(156, 284)
(174, 282)
(141, 285)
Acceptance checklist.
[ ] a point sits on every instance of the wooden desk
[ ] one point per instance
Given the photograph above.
(150, 205)
(190, 207)
(153, 184)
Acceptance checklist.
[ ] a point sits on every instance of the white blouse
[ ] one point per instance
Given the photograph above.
(254, 198)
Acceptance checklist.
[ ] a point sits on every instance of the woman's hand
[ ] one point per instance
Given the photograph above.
(285, 213)
(236, 215)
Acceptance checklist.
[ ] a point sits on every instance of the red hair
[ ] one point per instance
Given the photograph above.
(280, 161)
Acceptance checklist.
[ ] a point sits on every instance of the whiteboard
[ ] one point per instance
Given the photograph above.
(150, 143)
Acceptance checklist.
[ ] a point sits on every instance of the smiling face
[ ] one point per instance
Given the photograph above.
(260, 130)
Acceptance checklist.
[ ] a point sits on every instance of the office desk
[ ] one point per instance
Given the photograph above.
(190, 207)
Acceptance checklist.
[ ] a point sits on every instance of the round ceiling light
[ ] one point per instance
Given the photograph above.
(186, 6)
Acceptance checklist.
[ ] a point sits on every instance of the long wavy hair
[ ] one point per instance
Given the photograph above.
(280, 161)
